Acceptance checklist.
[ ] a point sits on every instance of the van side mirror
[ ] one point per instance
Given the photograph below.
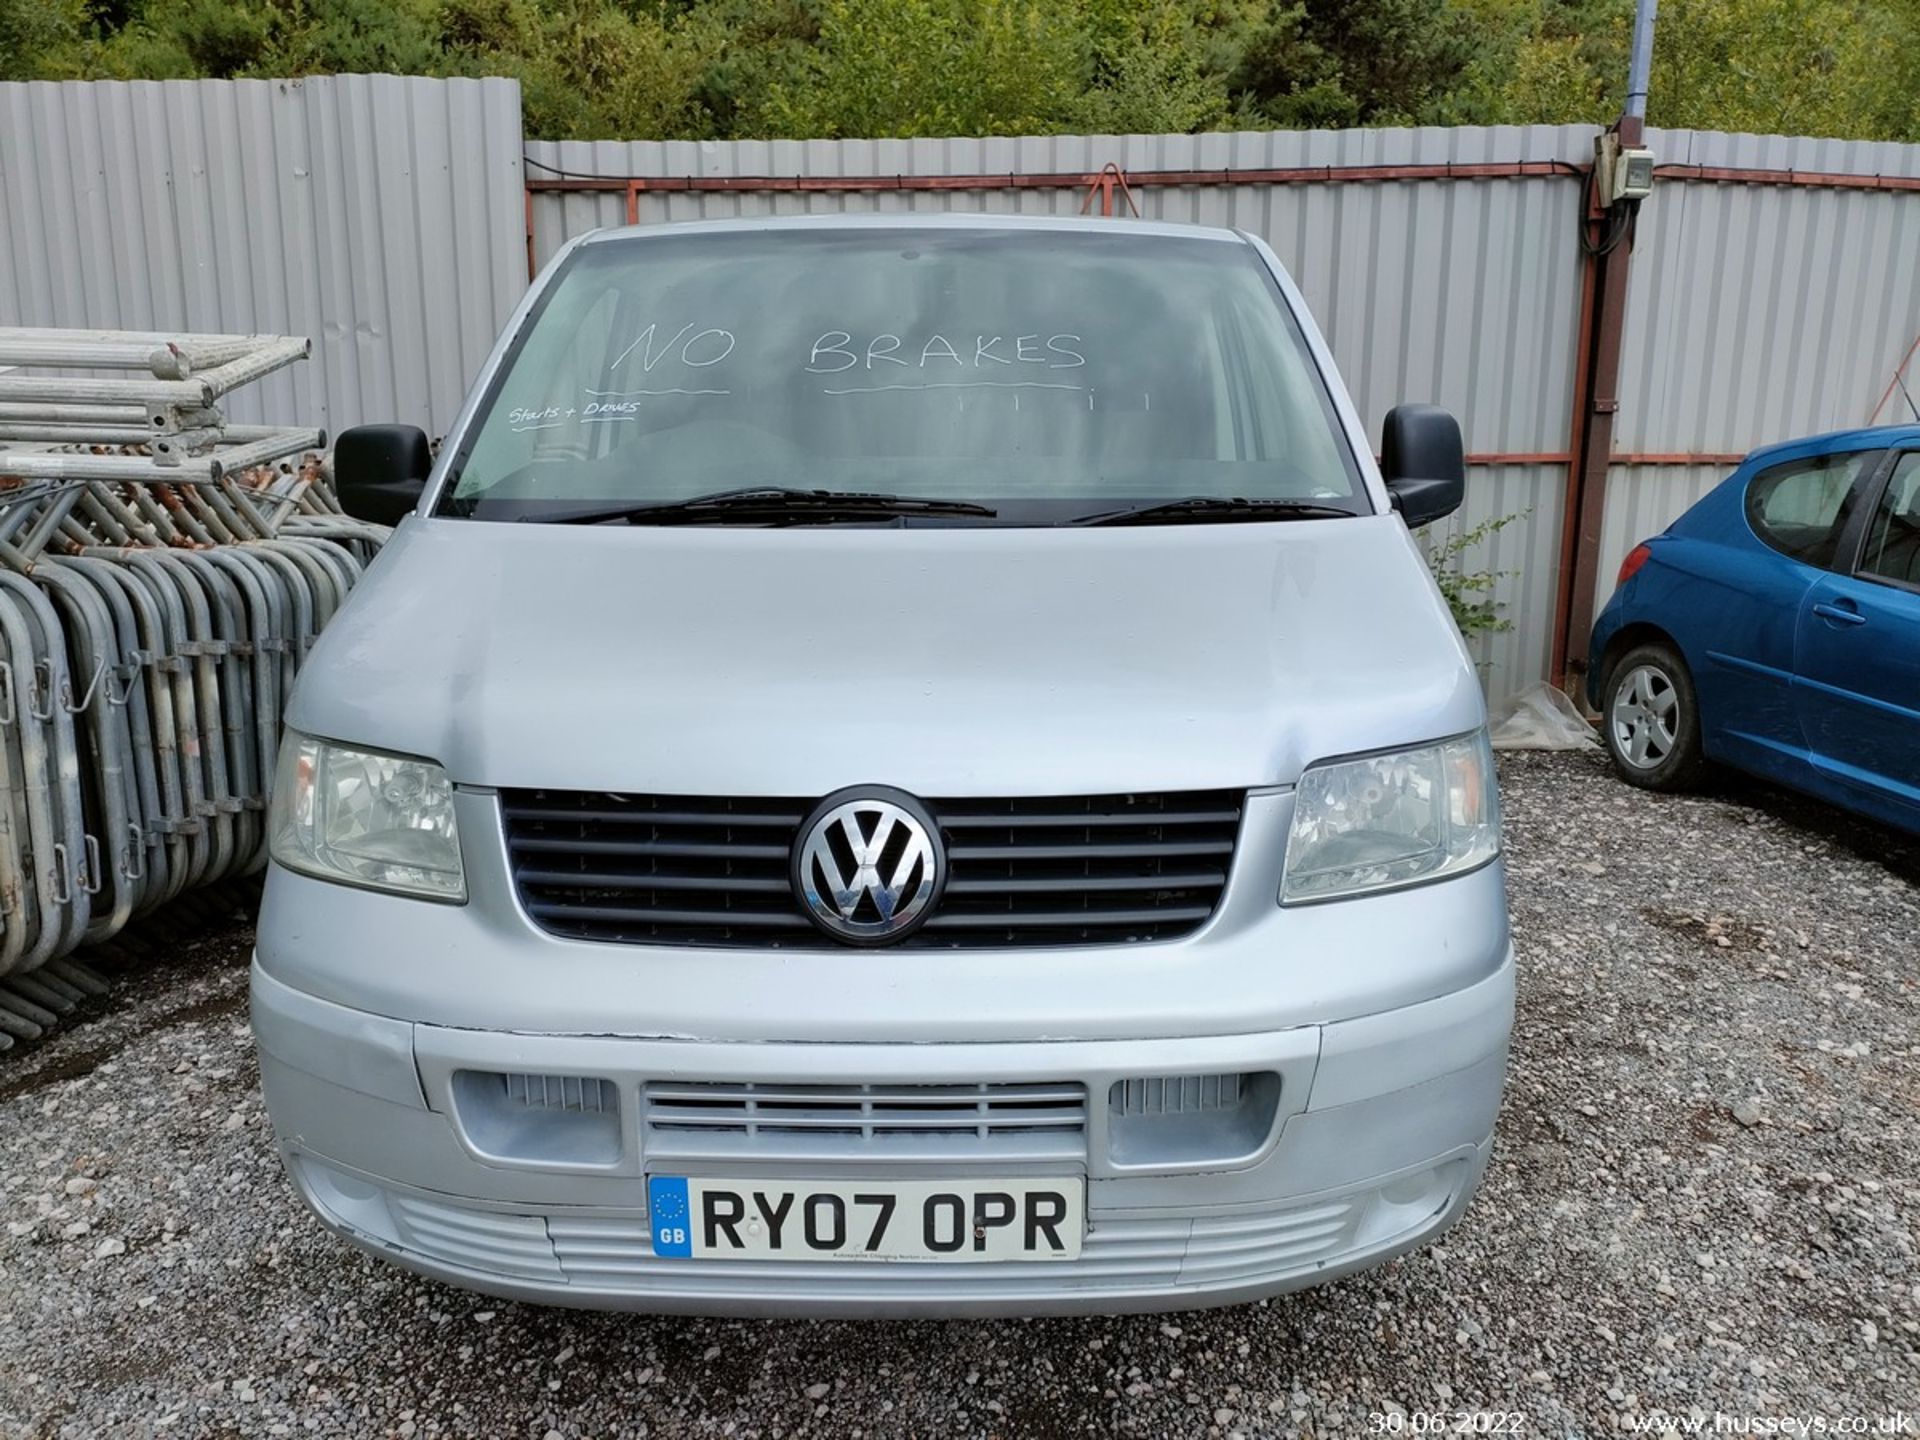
(380, 471)
(1423, 462)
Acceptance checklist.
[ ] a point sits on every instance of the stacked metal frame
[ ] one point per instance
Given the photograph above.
(162, 576)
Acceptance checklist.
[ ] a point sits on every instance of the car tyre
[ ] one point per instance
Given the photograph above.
(1650, 718)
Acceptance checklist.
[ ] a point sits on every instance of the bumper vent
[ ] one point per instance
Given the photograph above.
(690, 870)
(1177, 1095)
(586, 1093)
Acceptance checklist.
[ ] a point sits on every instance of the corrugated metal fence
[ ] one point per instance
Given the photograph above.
(1758, 311)
(380, 216)
(1774, 289)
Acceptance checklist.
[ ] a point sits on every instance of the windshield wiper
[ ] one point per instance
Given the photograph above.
(772, 503)
(1202, 508)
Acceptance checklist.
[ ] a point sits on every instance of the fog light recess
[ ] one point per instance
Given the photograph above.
(1179, 1122)
(539, 1119)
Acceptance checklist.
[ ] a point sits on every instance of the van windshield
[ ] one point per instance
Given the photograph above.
(1045, 377)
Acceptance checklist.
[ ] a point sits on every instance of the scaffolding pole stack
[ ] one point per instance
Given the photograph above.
(162, 576)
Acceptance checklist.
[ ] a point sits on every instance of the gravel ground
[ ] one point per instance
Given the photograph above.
(1706, 1198)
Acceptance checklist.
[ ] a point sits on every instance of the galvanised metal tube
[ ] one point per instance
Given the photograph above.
(85, 390)
(251, 366)
(88, 433)
(1640, 65)
(150, 630)
(30, 412)
(47, 465)
(126, 849)
(148, 338)
(91, 632)
(56, 509)
(196, 469)
(14, 897)
(272, 447)
(50, 768)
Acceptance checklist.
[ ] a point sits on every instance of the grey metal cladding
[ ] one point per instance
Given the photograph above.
(381, 216)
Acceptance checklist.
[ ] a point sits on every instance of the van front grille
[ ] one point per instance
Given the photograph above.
(1043, 1122)
(701, 870)
(979, 1111)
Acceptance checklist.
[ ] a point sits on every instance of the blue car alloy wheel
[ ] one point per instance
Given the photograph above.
(1651, 720)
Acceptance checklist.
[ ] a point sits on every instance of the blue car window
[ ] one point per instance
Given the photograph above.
(1800, 507)
(1893, 542)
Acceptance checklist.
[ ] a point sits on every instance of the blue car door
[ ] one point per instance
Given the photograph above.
(1857, 653)
(1743, 623)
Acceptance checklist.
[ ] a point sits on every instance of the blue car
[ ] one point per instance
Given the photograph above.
(1775, 627)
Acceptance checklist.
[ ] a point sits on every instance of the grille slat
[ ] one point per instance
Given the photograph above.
(659, 915)
(1144, 850)
(1050, 884)
(609, 880)
(949, 920)
(954, 818)
(647, 849)
(609, 815)
(1023, 871)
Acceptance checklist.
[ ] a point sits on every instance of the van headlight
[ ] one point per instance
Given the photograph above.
(383, 822)
(1386, 821)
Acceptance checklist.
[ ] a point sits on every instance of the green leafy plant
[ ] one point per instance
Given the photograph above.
(753, 69)
(1470, 594)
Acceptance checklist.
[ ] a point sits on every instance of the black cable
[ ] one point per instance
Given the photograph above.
(1621, 216)
(566, 174)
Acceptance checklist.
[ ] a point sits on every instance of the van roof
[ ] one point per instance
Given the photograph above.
(917, 221)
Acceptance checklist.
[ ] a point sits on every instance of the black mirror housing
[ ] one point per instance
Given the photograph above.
(380, 471)
(1424, 463)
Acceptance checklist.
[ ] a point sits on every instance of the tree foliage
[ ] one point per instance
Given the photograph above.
(718, 69)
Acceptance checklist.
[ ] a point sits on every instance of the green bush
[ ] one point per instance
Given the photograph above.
(1470, 594)
(718, 69)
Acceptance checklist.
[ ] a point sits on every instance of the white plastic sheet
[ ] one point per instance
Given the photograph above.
(1540, 718)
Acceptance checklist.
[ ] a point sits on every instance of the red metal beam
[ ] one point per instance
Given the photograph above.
(1808, 179)
(1138, 179)
(1618, 457)
(1055, 180)
(1673, 457)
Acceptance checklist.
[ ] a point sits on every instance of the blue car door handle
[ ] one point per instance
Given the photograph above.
(1841, 613)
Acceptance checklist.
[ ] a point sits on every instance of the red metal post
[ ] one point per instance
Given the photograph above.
(1594, 411)
(533, 262)
(1570, 499)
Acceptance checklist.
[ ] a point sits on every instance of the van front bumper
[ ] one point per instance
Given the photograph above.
(1365, 1138)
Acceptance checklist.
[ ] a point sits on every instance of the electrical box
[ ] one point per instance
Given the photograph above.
(1621, 172)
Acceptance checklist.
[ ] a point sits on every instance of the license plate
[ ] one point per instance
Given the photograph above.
(703, 1218)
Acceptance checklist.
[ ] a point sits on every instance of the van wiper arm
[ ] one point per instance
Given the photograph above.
(1203, 508)
(771, 502)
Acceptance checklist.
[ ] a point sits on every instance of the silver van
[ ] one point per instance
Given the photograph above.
(894, 766)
